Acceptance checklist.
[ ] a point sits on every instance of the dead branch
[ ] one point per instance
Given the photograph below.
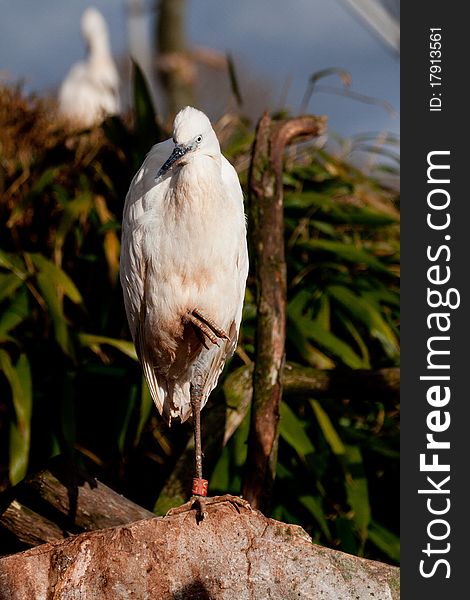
(58, 502)
(266, 216)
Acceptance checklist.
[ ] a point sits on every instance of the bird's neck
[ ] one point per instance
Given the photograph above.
(99, 49)
(200, 172)
(198, 183)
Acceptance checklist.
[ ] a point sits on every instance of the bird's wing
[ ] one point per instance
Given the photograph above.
(212, 361)
(133, 259)
(234, 192)
(210, 364)
(133, 263)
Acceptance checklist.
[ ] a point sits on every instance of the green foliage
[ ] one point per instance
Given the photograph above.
(337, 471)
(69, 376)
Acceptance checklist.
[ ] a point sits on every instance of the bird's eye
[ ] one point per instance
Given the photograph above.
(199, 139)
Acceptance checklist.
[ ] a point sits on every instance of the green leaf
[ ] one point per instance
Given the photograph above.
(307, 351)
(343, 251)
(332, 209)
(328, 429)
(345, 533)
(313, 505)
(234, 80)
(369, 218)
(13, 263)
(93, 342)
(146, 405)
(13, 379)
(329, 342)
(19, 378)
(144, 111)
(52, 281)
(220, 478)
(323, 315)
(373, 443)
(351, 328)
(301, 326)
(9, 283)
(55, 277)
(385, 295)
(45, 179)
(357, 491)
(385, 540)
(15, 314)
(305, 200)
(292, 430)
(325, 228)
(366, 312)
(240, 441)
(73, 210)
(56, 313)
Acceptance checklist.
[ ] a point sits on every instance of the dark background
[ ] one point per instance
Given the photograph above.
(422, 132)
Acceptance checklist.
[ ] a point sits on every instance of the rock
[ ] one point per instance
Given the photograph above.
(234, 553)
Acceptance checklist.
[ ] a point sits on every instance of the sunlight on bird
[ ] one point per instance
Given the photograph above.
(90, 92)
(184, 264)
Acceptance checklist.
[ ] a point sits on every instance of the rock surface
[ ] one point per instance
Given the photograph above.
(234, 553)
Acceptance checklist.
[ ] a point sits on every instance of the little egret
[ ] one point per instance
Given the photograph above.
(90, 92)
(184, 264)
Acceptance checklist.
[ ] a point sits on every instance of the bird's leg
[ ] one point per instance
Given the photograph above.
(199, 484)
(196, 408)
(206, 326)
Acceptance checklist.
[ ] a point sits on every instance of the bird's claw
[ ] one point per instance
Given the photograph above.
(197, 502)
(206, 326)
(235, 501)
(219, 332)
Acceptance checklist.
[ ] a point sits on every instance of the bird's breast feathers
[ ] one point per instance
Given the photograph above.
(193, 231)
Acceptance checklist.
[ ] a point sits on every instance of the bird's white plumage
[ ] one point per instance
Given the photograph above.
(90, 91)
(183, 248)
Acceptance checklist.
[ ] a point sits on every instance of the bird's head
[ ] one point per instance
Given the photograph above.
(193, 137)
(94, 28)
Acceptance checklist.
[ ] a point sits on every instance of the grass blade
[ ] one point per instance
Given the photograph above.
(357, 491)
(19, 378)
(385, 540)
(234, 80)
(328, 429)
(93, 342)
(292, 430)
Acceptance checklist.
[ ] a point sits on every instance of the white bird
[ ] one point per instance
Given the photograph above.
(184, 264)
(90, 91)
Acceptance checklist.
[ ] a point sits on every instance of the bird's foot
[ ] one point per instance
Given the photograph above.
(200, 504)
(206, 326)
(195, 502)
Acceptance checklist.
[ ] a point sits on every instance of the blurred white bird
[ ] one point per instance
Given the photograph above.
(90, 92)
(184, 264)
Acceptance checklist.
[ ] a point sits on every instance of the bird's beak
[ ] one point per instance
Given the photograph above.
(174, 158)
